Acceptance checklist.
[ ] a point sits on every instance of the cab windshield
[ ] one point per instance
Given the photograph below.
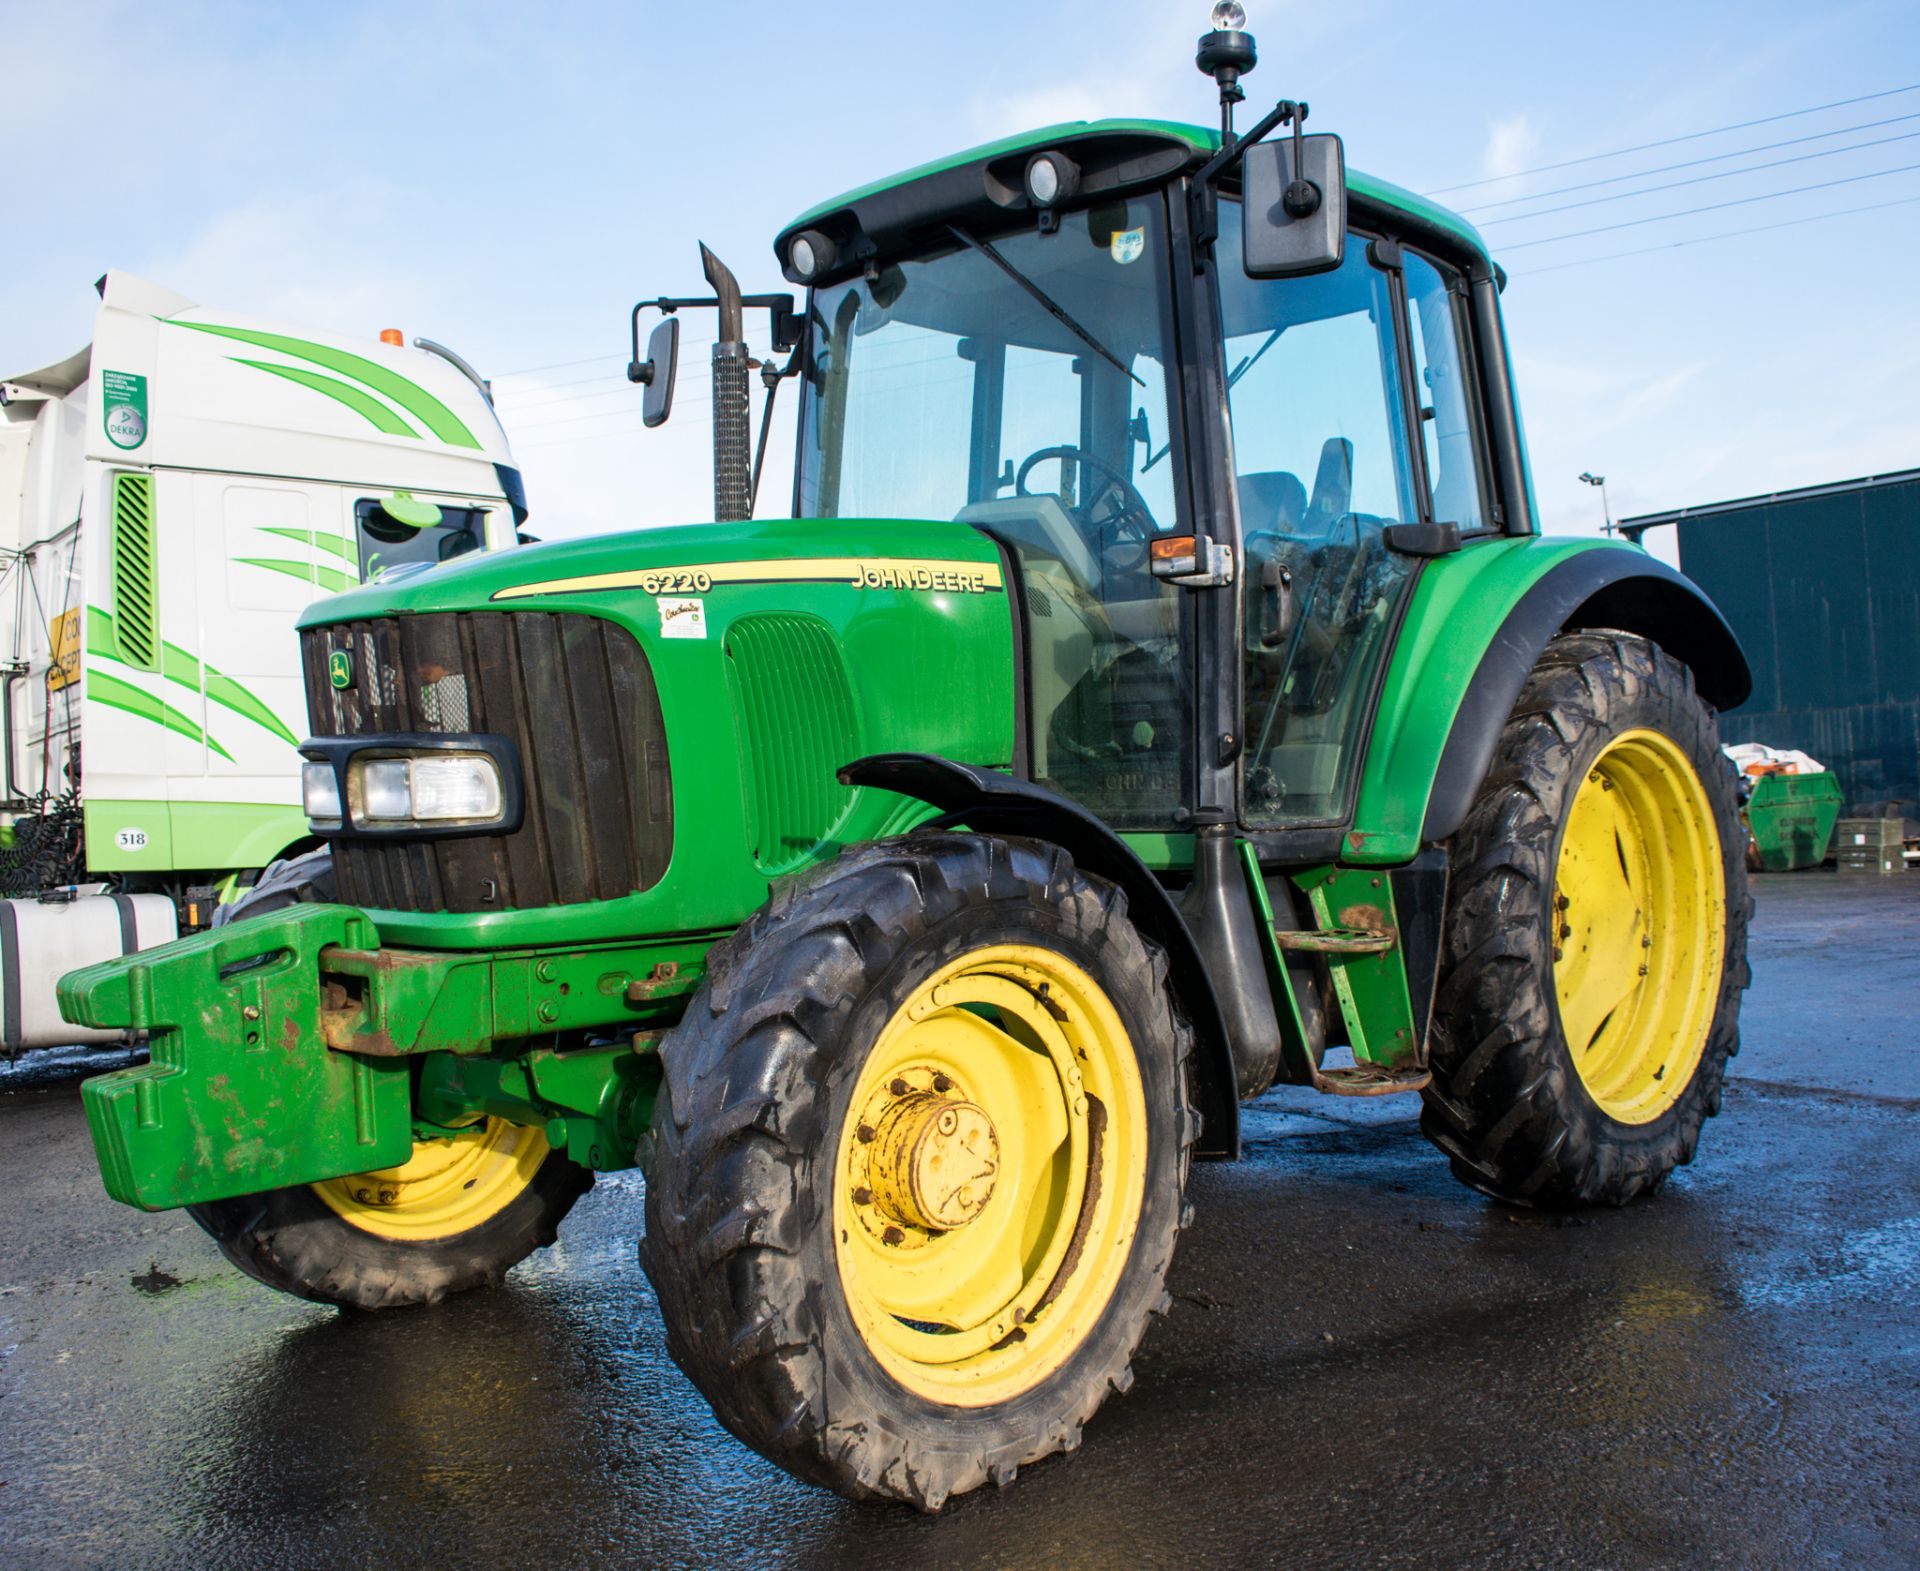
(1018, 382)
(931, 385)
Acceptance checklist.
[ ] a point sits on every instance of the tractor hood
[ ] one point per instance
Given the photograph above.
(687, 561)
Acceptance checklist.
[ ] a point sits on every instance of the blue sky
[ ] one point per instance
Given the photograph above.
(509, 179)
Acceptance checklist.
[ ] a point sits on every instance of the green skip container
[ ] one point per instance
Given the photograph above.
(1792, 819)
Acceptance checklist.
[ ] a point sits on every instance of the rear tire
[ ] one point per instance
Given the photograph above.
(1595, 947)
(458, 1215)
(782, 1276)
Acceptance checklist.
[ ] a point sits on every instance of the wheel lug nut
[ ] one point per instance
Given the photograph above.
(899, 1087)
(865, 1132)
(893, 1235)
(863, 1196)
(942, 1083)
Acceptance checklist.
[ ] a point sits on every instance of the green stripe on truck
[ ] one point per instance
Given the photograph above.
(410, 396)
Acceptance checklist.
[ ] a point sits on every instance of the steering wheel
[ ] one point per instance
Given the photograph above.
(1130, 512)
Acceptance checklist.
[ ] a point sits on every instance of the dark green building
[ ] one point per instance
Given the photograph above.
(1822, 585)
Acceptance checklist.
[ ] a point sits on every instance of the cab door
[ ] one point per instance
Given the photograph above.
(1344, 417)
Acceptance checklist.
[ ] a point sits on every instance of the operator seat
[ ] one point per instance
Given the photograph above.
(1272, 501)
(1332, 486)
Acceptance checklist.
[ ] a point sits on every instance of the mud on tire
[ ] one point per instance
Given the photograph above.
(1507, 1104)
(740, 1161)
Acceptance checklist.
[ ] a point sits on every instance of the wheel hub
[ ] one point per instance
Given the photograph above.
(934, 1161)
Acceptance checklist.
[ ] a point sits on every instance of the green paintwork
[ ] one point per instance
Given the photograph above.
(364, 404)
(233, 834)
(1792, 819)
(925, 672)
(242, 1092)
(101, 823)
(1159, 851)
(116, 694)
(330, 579)
(1201, 143)
(1297, 1060)
(1457, 609)
(1375, 1000)
(190, 836)
(410, 396)
(182, 666)
(235, 1102)
(594, 1103)
(318, 538)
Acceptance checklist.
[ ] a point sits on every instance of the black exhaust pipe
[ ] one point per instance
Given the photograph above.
(732, 421)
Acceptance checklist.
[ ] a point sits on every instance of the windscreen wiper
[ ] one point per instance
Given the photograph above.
(1045, 301)
(1234, 376)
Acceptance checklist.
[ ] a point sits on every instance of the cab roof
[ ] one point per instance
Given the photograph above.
(1180, 146)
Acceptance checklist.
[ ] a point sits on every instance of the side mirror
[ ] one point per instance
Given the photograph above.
(1296, 219)
(655, 372)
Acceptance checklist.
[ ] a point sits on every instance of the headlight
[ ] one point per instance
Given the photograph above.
(320, 793)
(439, 788)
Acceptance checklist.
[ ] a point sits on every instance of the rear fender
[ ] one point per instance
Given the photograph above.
(990, 802)
(1477, 624)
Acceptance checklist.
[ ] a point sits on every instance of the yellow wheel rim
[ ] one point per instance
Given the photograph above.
(445, 1187)
(1639, 926)
(989, 1176)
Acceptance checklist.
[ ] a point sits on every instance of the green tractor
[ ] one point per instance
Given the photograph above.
(1160, 686)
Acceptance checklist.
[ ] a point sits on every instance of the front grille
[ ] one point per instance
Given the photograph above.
(575, 695)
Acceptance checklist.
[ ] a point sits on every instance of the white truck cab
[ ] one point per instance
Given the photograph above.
(171, 498)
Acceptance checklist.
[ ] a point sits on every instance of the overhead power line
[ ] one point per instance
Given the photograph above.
(1671, 141)
(1687, 163)
(1724, 174)
(1730, 234)
(556, 365)
(1711, 207)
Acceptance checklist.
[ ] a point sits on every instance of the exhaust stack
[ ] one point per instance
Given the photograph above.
(732, 423)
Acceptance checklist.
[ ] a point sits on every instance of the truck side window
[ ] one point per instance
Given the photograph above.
(385, 541)
(1449, 404)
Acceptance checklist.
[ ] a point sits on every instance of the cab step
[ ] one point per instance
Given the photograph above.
(1372, 1079)
(1336, 940)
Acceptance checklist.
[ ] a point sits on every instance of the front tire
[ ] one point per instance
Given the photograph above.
(458, 1214)
(916, 1170)
(1595, 950)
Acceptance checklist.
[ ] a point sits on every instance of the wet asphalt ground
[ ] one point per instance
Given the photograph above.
(1366, 1365)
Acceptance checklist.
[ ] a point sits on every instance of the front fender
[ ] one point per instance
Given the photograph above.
(988, 801)
(1476, 625)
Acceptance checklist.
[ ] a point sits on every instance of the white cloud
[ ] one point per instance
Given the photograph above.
(1511, 146)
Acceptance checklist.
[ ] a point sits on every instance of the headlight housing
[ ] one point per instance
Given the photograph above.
(434, 788)
(457, 785)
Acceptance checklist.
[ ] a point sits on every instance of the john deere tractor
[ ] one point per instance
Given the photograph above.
(1160, 691)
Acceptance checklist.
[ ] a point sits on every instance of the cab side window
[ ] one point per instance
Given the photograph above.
(1449, 409)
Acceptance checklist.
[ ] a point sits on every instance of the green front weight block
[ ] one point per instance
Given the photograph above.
(242, 1093)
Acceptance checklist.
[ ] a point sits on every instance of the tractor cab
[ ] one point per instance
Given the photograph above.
(1213, 487)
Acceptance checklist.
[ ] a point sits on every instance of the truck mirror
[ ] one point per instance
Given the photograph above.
(656, 372)
(1296, 219)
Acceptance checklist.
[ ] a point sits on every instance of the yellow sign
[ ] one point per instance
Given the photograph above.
(909, 573)
(64, 660)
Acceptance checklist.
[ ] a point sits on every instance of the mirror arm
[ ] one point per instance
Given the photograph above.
(1205, 224)
(786, 323)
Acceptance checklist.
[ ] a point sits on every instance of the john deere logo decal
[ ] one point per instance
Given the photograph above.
(340, 668)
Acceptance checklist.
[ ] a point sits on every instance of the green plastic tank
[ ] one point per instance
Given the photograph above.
(1792, 819)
